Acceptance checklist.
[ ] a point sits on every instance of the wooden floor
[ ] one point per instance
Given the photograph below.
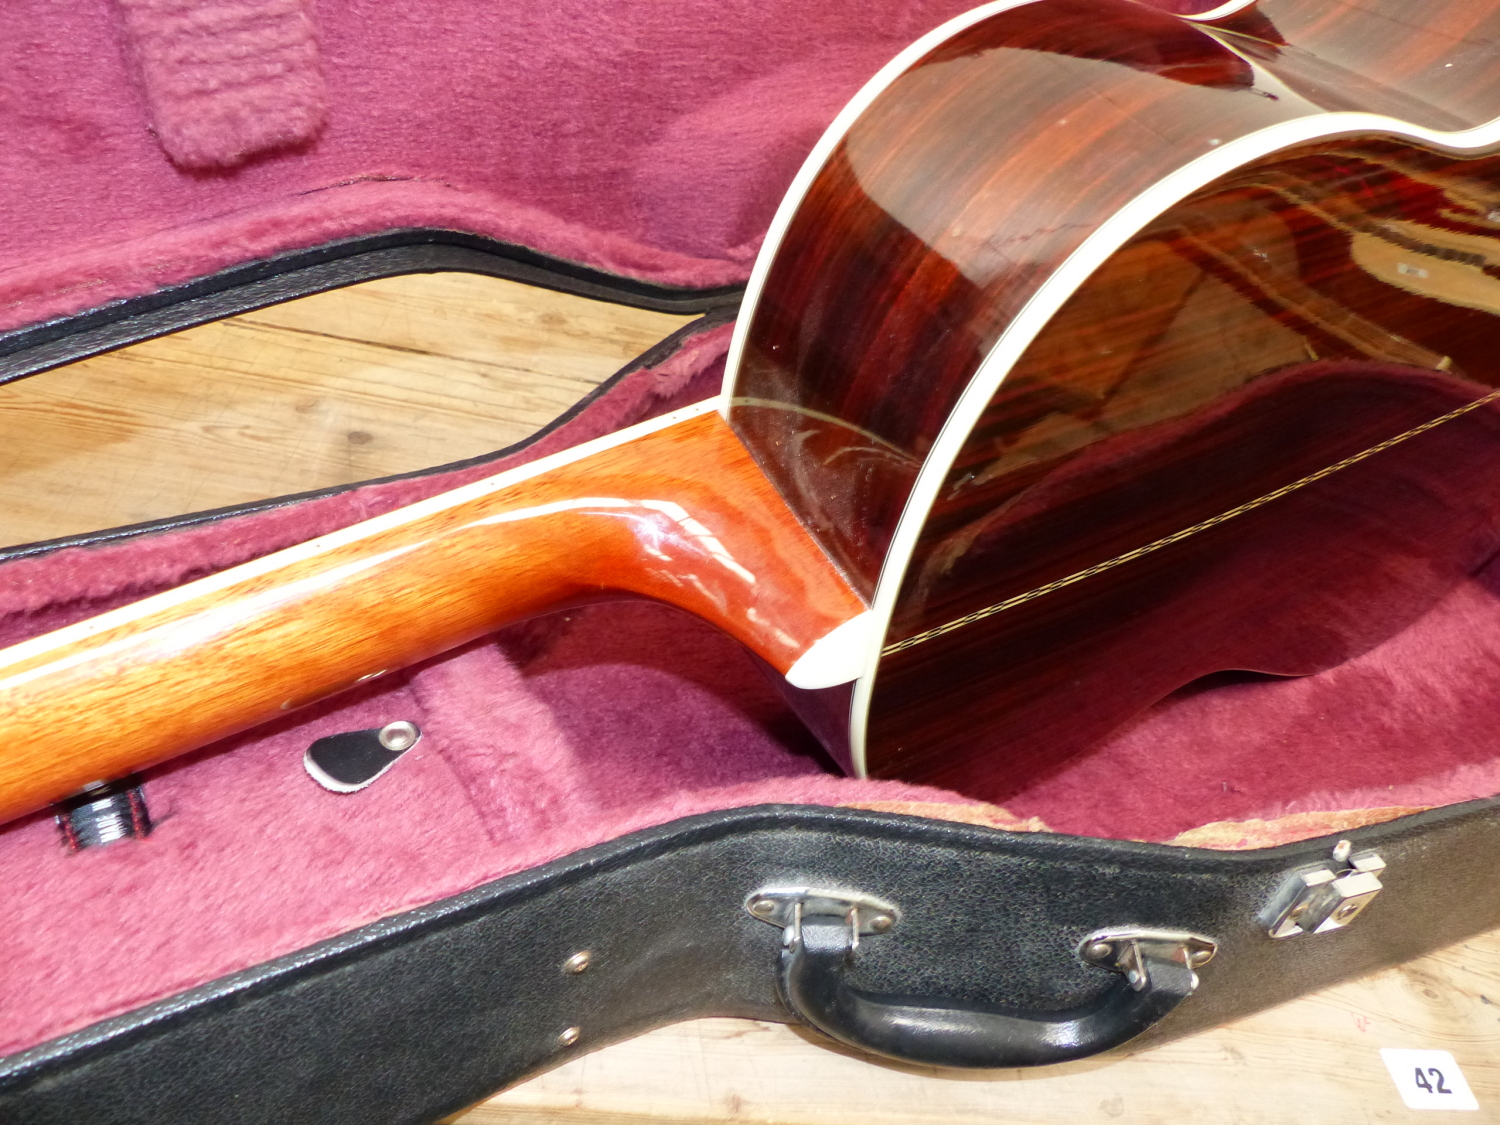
(380, 378)
(400, 374)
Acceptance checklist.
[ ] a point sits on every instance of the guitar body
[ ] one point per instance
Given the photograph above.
(1104, 350)
(1095, 350)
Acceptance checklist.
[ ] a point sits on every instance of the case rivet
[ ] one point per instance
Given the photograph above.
(399, 736)
(578, 962)
(569, 1037)
(787, 906)
(1099, 951)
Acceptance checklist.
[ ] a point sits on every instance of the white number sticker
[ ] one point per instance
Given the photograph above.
(1428, 1079)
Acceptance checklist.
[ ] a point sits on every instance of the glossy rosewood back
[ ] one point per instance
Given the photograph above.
(1244, 340)
(1087, 276)
(936, 219)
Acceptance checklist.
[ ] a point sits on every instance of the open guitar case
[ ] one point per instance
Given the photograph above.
(571, 853)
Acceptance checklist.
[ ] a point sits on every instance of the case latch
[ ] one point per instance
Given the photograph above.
(1316, 900)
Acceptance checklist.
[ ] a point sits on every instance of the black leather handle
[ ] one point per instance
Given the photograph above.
(938, 1032)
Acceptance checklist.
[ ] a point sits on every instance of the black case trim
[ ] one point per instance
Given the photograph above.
(333, 265)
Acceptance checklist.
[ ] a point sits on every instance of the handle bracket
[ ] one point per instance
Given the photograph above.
(788, 906)
(1122, 951)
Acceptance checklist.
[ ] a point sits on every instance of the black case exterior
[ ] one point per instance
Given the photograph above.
(416, 1016)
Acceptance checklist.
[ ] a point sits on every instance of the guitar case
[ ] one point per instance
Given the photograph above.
(612, 820)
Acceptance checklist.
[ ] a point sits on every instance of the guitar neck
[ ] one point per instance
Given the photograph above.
(674, 510)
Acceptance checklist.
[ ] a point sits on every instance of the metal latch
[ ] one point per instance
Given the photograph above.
(1328, 896)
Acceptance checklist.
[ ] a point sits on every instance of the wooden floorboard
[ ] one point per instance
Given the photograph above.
(380, 378)
(1315, 1061)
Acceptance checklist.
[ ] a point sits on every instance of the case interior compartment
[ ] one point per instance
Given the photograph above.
(531, 123)
(578, 727)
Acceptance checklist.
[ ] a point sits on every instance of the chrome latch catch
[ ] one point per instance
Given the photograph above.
(1327, 896)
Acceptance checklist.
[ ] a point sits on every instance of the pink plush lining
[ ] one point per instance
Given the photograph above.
(574, 729)
(637, 138)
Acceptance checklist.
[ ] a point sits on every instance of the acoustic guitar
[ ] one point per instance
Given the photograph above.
(1095, 350)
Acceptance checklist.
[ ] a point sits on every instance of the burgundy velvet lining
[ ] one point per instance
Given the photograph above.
(1408, 723)
(635, 138)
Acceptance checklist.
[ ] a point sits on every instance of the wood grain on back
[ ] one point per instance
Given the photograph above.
(940, 214)
(1297, 313)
